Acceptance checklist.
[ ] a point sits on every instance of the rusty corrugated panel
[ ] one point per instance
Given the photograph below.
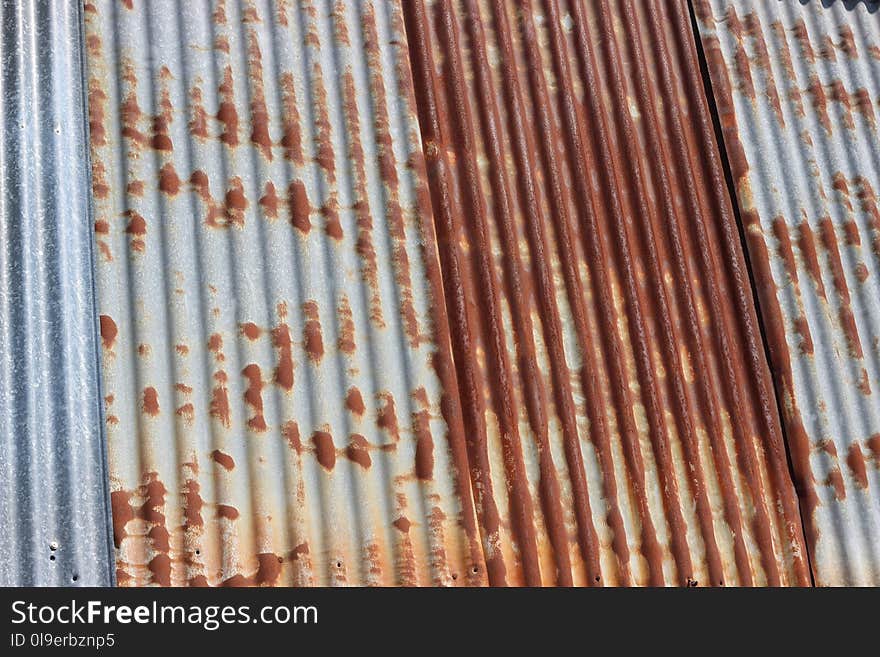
(54, 502)
(797, 85)
(281, 405)
(619, 411)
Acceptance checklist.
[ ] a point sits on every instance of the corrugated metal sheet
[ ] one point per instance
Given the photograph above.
(618, 406)
(797, 86)
(54, 506)
(281, 405)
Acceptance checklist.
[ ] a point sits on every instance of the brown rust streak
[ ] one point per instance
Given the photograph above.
(454, 270)
(838, 278)
(364, 244)
(390, 179)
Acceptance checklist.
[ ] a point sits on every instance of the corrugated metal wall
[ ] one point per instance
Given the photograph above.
(798, 92)
(54, 511)
(620, 414)
(281, 406)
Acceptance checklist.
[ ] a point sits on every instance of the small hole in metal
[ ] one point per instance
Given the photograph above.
(51, 557)
(74, 578)
(339, 564)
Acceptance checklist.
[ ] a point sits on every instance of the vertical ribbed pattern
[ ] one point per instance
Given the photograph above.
(54, 505)
(619, 413)
(797, 85)
(281, 403)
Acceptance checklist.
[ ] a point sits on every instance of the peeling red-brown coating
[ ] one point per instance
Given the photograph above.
(251, 331)
(354, 401)
(325, 451)
(227, 114)
(855, 461)
(363, 219)
(259, 112)
(169, 181)
(291, 139)
(269, 201)
(223, 459)
(314, 342)
(123, 512)
(290, 431)
(873, 445)
(151, 401)
(109, 331)
(227, 511)
(253, 396)
(298, 206)
(358, 451)
(345, 342)
(838, 278)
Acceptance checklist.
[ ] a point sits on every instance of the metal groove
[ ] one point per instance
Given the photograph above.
(797, 87)
(618, 407)
(281, 403)
(54, 506)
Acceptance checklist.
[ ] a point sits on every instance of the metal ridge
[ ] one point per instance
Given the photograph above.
(54, 504)
(797, 85)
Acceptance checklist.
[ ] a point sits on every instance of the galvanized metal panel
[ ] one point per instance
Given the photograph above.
(281, 406)
(54, 505)
(620, 413)
(798, 91)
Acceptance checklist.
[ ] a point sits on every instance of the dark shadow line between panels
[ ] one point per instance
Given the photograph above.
(731, 188)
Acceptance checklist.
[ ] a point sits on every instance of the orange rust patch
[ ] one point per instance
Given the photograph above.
(223, 459)
(298, 206)
(151, 401)
(358, 450)
(855, 460)
(354, 401)
(325, 451)
(253, 396)
(108, 331)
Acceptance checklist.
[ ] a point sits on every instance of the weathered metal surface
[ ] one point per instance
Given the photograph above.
(281, 404)
(54, 502)
(797, 85)
(619, 410)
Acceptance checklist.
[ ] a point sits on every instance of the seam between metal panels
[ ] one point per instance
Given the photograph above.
(96, 331)
(731, 187)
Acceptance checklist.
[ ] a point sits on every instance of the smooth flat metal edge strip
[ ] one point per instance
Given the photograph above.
(54, 509)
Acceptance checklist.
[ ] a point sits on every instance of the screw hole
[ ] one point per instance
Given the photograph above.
(198, 552)
(51, 557)
(598, 578)
(74, 578)
(454, 576)
(475, 570)
(339, 564)
(53, 546)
